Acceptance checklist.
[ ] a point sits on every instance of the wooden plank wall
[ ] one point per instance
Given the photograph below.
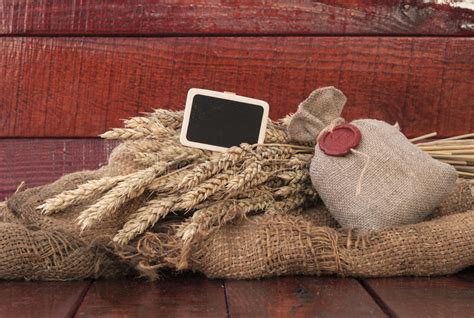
(36, 161)
(83, 86)
(185, 17)
(73, 69)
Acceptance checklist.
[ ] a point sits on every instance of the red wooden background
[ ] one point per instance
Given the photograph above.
(184, 17)
(73, 69)
(83, 86)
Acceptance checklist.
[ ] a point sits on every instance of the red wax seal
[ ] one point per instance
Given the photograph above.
(340, 140)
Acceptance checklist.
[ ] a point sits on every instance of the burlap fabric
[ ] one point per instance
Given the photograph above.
(270, 245)
(35, 246)
(386, 181)
(401, 184)
(311, 242)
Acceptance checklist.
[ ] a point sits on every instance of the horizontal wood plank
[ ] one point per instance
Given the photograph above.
(40, 161)
(40, 299)
(425, 297)
(300, 297)
(236, 17)
(171, 297)
(65, 87)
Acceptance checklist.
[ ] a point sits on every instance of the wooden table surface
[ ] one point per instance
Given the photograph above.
(188, 295)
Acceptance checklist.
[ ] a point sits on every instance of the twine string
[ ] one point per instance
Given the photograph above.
(336, 121)
(364, 169)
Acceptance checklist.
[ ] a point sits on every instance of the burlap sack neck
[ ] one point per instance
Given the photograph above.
(309, 121)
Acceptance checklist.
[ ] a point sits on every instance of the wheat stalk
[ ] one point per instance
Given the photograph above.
(169, 182)
(457, 151)
(244, 174)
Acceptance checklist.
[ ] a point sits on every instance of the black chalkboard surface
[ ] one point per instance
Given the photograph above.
(216, 121)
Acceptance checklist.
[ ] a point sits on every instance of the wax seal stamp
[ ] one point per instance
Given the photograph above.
(340, 140)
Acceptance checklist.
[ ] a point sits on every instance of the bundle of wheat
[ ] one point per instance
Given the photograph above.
(212, 188)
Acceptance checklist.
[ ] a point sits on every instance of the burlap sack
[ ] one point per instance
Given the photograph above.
(401, 184)
(272, 245)
(387, 181)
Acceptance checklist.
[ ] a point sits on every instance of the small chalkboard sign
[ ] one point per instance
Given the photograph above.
(219, 120)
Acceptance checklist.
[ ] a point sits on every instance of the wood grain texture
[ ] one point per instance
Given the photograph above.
(40, 299)
(425, 297)
(183, 296)
(40, 161)
(236, 17)
(300, 297)
(82, 86)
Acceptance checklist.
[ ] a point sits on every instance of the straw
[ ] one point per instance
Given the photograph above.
(457, 151)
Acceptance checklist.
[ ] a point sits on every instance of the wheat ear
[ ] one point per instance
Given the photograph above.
(276, 135)
(154, 130)
(82, 193)
(210, 168)
(221, 213)
(133, 186)
(141, 121)
(144, 218)
(168, 118)
(169, 153)
(291, 202)
(204, 190)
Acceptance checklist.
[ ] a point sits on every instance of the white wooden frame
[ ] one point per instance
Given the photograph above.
(222, 95)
